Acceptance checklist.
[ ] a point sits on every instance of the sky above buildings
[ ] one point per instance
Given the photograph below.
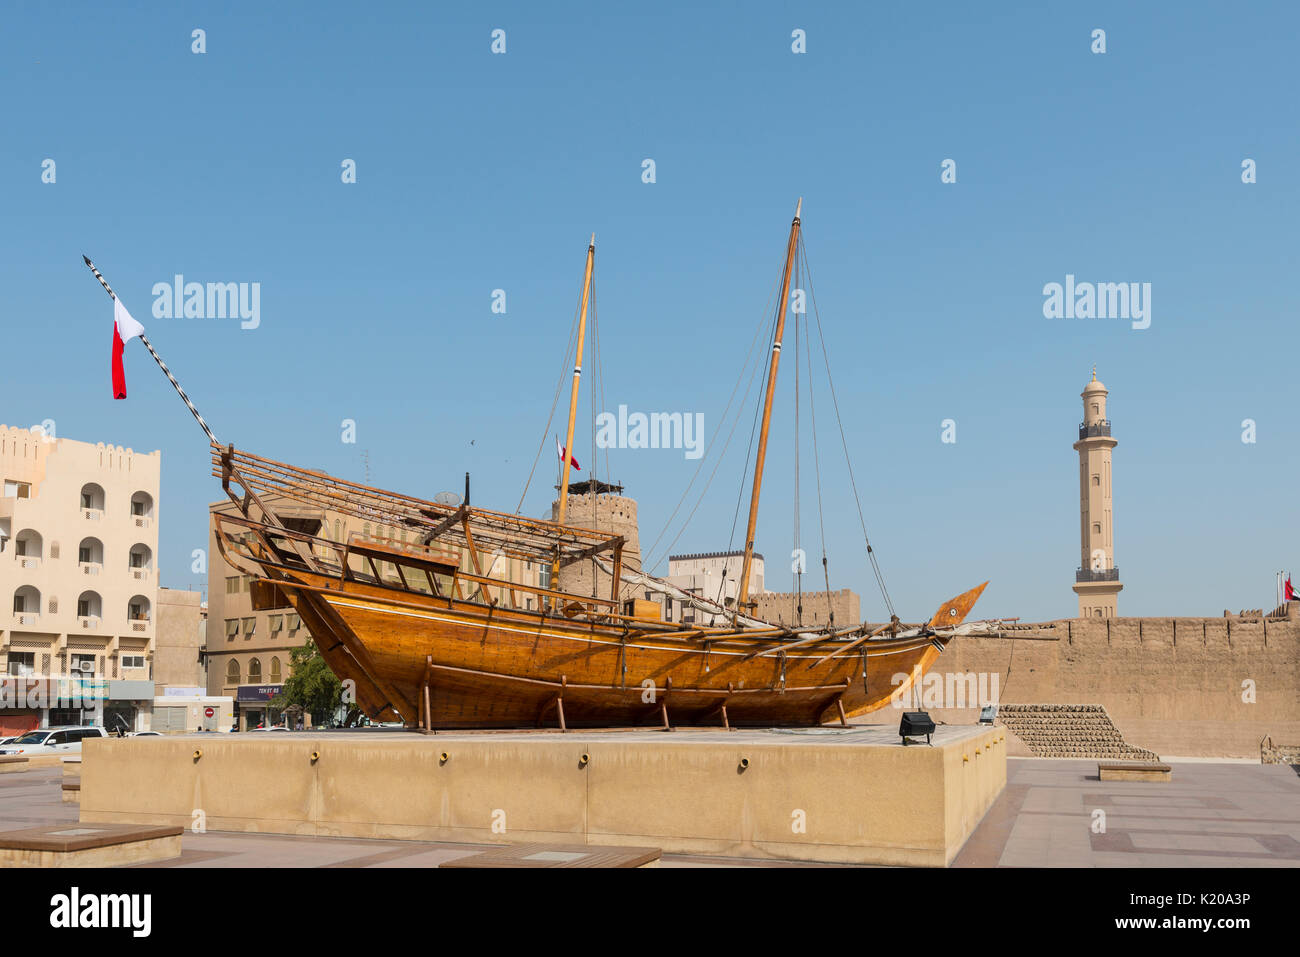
(478, 171)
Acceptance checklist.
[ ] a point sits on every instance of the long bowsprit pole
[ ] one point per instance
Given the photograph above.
(157, 358)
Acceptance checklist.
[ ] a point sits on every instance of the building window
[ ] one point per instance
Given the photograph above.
(1096, 480)
(232, 627)
(277, 623)
(254, 671)
(133, 661)
(16, 489)
(232, 672)
(22, 662)
(250, 625)
(232, 585)
(295, 621)
(275, 671)
(1096, 528)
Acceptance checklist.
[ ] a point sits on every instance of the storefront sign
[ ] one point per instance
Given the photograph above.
(254, 693)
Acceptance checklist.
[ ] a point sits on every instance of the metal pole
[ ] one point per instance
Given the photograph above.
(157, 358)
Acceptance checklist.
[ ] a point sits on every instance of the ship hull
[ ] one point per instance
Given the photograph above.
(504, 668)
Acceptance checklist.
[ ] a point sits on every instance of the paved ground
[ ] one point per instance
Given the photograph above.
(1209, 815)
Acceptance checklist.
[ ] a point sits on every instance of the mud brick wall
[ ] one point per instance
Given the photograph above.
(1177, 686)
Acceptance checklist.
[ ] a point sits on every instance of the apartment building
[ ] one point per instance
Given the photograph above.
(78, 552)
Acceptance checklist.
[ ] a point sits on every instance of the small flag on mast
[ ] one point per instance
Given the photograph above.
(125, 328)
(559, 451)
(1290, 592)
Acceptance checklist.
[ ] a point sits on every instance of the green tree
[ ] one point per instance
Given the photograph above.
(310, 685)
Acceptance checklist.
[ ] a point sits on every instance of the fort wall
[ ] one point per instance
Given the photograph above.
(1208, 687)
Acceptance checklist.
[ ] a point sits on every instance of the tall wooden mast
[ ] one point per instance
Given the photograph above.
(742, 596)
(573, 395)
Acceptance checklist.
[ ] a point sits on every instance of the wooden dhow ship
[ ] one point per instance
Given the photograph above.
(422, 630)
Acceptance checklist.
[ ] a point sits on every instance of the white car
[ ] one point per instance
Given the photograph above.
(64, 740)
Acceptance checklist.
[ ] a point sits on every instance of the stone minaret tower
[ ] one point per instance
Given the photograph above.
(1097, 580)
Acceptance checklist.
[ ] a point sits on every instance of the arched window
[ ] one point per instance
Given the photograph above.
(275, 671)
(232, 672)
(141, 509)
(90, 556)
(254, 671)
(137, 609)
(27, 601)
(89, 606)
(92, 500)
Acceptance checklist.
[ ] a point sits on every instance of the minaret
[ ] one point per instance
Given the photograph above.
(1097, 580)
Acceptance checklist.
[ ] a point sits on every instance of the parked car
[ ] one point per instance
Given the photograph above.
(276, 727)
(145, 734)
(61, 740)
(4, 741)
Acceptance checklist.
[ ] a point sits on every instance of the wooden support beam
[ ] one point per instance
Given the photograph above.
(615, 543)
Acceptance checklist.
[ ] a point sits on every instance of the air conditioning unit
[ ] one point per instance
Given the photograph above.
(85, 667)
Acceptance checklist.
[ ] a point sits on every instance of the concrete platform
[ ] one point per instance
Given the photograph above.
(9, 763)
(79, 845)
(851, 795)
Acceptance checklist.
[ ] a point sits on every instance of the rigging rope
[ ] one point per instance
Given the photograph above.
(871, 554)
(758, 330)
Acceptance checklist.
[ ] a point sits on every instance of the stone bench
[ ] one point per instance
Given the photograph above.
(560, 855)
(72, 791)
(89, 845)
(12, 762)
(1130, 771)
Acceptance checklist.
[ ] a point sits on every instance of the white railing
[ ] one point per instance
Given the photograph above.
(94, 514)
(91, 568)
(89, 621)
(27, 561)
(142, 521)
(28, 617)
(139, 573)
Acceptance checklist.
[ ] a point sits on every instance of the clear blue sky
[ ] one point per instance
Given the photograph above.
(478, 171)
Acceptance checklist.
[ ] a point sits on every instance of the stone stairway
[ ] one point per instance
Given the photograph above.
(1069, 731)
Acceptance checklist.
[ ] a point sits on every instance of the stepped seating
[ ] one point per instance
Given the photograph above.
(1070, 731)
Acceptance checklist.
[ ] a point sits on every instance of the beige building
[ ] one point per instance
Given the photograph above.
(1097, 578)
(713, 576)
(179, 639)
(78, 552)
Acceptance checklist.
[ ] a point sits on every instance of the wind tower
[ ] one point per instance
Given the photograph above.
(1096, 581)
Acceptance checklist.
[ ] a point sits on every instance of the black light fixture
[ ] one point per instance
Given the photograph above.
(915, 724)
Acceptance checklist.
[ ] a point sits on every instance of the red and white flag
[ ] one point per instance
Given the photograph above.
(559, 450)
(1290, 592)
(124, 330)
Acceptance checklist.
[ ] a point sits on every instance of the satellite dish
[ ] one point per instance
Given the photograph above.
(447, 498)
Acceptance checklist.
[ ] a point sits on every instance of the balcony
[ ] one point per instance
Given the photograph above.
(141, 521)
(140, 625)
(88, 622)
(1097, 574)
(90, 568)
(1087, 431)
(28, 561)
(140, 574)
(27, 617)
(94, 514)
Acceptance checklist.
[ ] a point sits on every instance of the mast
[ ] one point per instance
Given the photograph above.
(573, 397)
(742, 596)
